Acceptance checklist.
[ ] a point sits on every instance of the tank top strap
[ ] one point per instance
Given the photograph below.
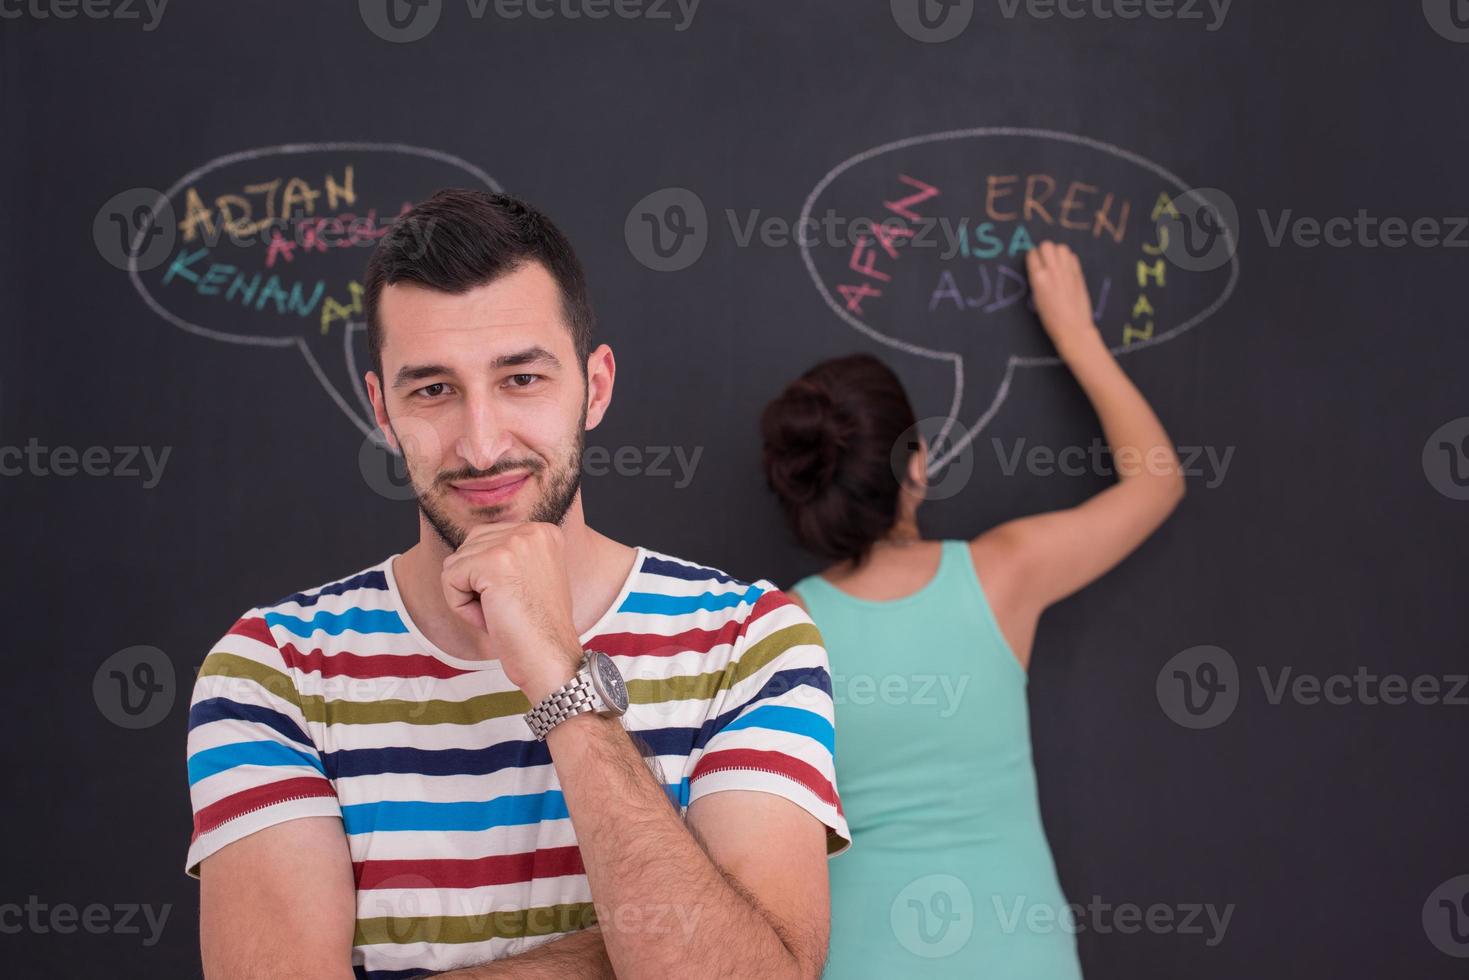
(967, 588)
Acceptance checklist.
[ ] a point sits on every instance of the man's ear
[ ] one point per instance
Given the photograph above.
(601, 373)
(380, 410)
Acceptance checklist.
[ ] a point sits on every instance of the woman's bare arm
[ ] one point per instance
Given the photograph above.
(1032, 562)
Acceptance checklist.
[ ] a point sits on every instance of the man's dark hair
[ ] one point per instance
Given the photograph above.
(460, 239)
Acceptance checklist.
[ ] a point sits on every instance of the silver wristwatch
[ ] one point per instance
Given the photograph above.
(597, 686)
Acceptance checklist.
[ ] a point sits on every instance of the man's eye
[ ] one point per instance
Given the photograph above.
(434, 390)
(523, 380)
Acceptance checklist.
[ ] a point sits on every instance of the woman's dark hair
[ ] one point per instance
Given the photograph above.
(459, 239)
(830, 441)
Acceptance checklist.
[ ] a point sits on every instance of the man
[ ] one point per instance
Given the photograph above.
(373, 792)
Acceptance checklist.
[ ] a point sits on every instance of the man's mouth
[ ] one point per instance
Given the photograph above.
(491, 490)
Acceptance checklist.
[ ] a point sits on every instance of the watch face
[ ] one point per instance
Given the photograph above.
(609, 682)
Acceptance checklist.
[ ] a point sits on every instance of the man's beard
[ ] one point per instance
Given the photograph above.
(551, 507)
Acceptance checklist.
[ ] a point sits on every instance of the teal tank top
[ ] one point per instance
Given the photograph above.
(949, 873)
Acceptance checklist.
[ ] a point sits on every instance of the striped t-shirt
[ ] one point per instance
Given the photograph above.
(331, 702)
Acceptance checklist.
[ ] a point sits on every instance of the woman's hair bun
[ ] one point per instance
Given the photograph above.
(829, 439)
(805, 437)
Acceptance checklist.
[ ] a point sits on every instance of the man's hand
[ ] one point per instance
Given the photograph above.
(510, 581)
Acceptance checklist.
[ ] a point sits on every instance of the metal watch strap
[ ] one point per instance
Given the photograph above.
(575, 698)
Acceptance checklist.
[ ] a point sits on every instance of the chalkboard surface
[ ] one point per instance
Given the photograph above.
(183, 432)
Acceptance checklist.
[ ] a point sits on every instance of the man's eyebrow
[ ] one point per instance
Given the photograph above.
(410, 373)
(531, 355)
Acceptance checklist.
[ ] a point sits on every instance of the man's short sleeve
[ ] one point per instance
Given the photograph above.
(775, 730)
(252, 763)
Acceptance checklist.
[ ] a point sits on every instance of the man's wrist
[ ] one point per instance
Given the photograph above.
(547, 681)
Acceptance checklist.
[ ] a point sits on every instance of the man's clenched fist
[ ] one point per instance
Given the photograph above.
(509, 580)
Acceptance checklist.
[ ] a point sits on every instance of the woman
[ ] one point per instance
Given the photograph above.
(950, 873)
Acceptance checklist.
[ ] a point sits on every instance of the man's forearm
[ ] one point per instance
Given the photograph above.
(664, 908)
(580, 954)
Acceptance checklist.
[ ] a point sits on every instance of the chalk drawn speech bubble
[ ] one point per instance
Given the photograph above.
(303, 214)
(919, 244)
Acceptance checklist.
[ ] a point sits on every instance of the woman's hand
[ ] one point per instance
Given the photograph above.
(1061, 297)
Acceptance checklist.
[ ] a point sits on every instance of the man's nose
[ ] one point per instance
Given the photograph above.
(484, 438)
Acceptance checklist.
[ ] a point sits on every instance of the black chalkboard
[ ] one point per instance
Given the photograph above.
(183, 436)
